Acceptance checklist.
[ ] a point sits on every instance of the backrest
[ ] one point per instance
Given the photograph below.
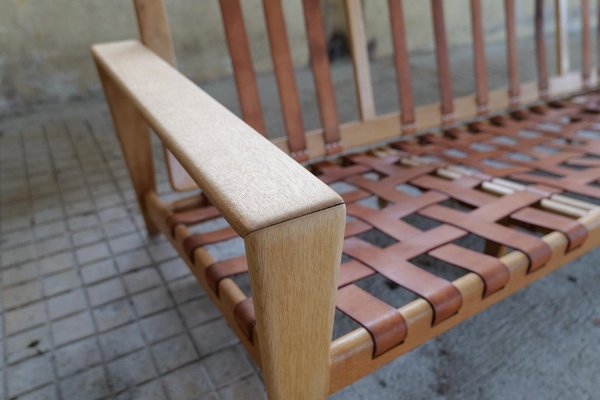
(371, 128)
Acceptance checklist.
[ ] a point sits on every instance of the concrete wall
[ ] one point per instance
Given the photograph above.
(44, 44)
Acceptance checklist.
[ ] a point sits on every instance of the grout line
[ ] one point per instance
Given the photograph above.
(164, 284)
(89, 310)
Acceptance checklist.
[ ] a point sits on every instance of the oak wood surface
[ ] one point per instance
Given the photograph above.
(249, 180)
(294, 270)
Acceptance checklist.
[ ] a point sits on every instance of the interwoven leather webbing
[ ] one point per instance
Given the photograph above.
(548, 150)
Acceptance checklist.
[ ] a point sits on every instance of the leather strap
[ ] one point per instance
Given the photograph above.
(286, 81)
(191, 217)
(384, 323)
(514, 85)
(540, 50)
(442, 62)
(319, 62)
(538, 252)
(241, 60)
(401, 59)
(479, 57)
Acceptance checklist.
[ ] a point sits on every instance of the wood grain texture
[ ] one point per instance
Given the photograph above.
(156, 35)
(561, 20)
(252, 183)
(154, 28)
(294, 270)
(360, 58)
(134, 137)
(540, 50)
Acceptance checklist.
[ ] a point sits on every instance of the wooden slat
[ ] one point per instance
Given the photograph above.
(403, 78)
(154, 28)
(511, 53)
(360, 58)
(155, 34)
(540, 50)
(319, 61)
(251, 182)
(286, 82)
(294, 270)
(561, 11)
(241, 60)
(479, 57)
(442, 61)
(586, 47)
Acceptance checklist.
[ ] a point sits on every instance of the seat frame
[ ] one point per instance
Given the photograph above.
(293, 224)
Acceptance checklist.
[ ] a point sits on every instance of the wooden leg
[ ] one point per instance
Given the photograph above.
(134, 136)
(294, 268)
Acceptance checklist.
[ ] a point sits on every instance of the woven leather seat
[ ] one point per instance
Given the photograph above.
(490, 170)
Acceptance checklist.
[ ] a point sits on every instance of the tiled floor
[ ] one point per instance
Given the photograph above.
(93, 308)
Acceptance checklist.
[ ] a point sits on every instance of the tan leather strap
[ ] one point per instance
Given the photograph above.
(191, 217)
(479, 57)
(444, 298)
(384, 323)
(540, 50)
(492, 271)
(241, 60)
(442, 62)
(245, 317)
(514, 85)
(401, 59)
(191, 243)
(536, 250)
(586, 48)
(319, 61)
(223, 269)
(286, 81)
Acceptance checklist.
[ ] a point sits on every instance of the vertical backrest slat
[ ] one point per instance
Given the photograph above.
(561, 10)
(514, 85)
(586, 48)
(319, 61)
(403, 76)
(540, 50)
(442, 61)
(286, 82)
(155, 34)
(598, 40)
(154, 28)
(360, 58)
(479, 58)
(243, 68)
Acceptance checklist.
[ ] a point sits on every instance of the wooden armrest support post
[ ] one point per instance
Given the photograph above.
(291, 222)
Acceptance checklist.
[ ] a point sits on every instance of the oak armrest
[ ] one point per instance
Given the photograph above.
(252, 182)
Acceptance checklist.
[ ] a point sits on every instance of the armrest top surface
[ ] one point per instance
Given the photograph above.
(252, 182)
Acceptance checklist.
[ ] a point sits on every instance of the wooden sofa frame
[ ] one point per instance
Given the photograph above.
(291, 222)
